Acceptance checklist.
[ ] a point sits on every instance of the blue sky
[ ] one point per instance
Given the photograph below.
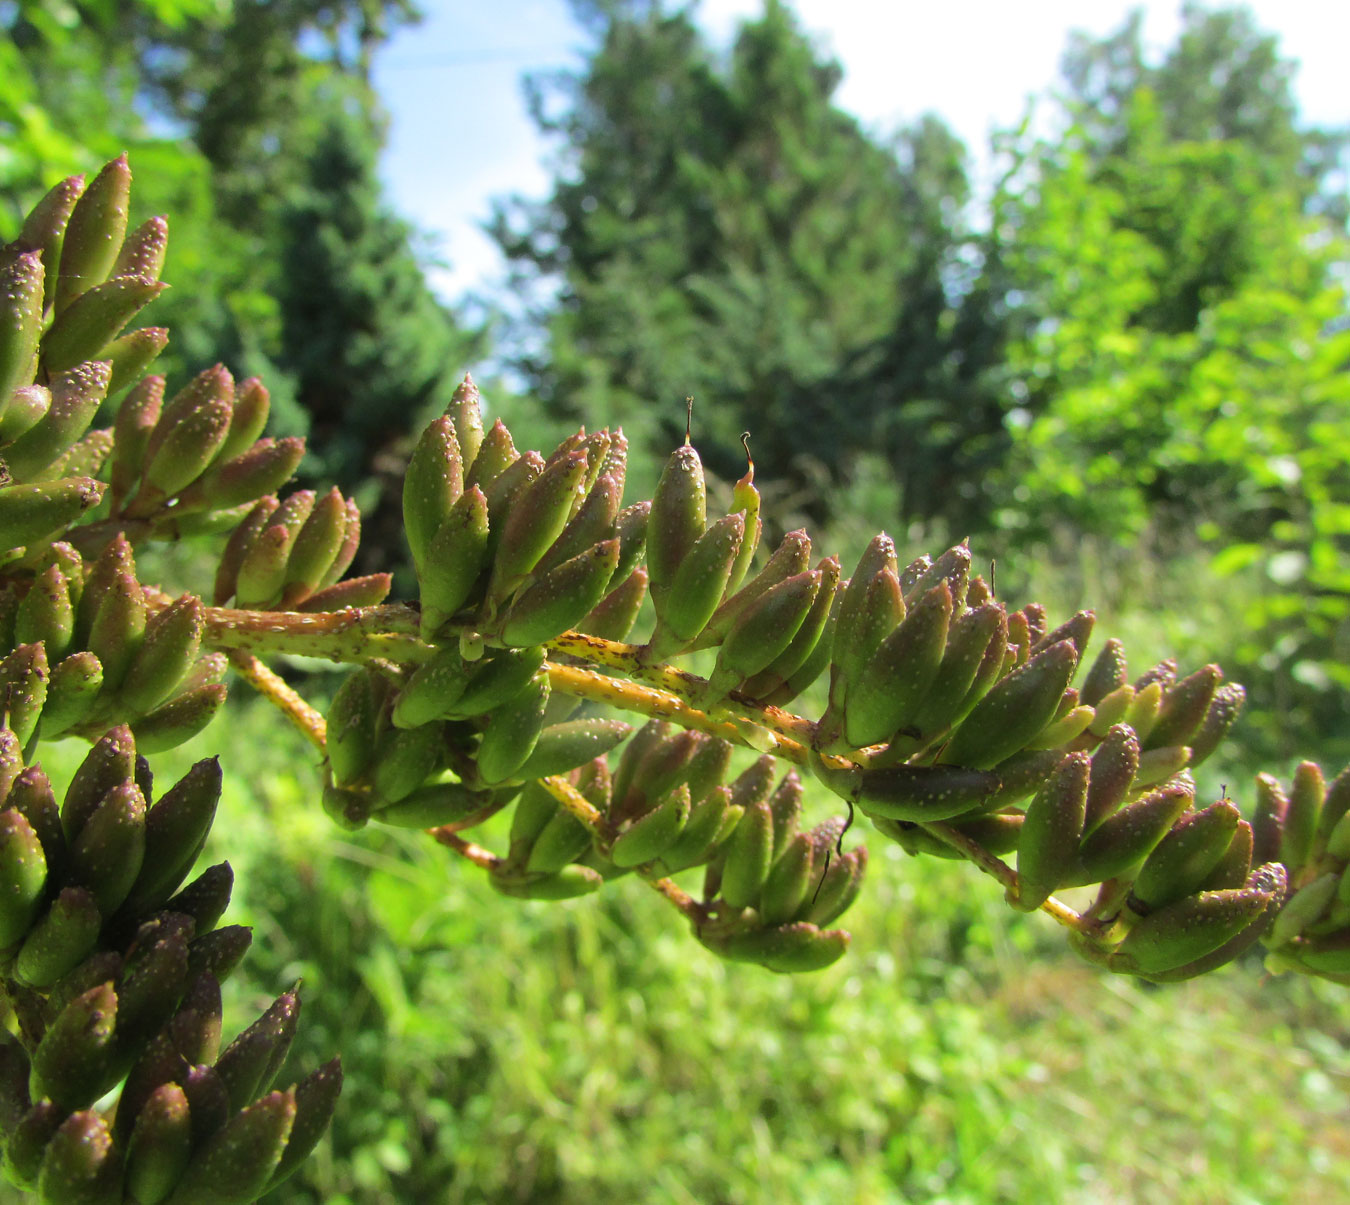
(460, 133)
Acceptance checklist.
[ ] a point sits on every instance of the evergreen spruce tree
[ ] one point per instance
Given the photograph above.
(721, 228)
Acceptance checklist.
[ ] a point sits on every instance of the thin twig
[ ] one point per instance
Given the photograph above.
(276, 691)
(661, 704)
(574, 801)
(683, 685)
(994, 866)
(466, 849)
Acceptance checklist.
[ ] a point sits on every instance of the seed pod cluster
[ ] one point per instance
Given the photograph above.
(520, 547)
(69, 283)
(288, 555)
(114, 968)
(1304, 828)
(87, 651)
(775, 885)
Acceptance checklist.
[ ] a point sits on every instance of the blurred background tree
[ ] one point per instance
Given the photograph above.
(720, 227)
(1177, 247)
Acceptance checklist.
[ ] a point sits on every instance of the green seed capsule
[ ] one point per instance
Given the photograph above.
(1235, 865)
(80, 1164)
(46, 613)
(569, 883)
(175, 831)
(23, 687)
(153, 979)
(1335, 805)
(94, 319)
(172, 641)
(20, 321)
(432, 690)
(205, 898)
(248, 418)
(749, 853)
(952, 567)
(1183, 709)
(465, 411)
(237, 1161)
(592, 524)
(765, 629)
(873, 612)
(789, 881)
(160, 1145)
(249, 1064)
(94, 234)
(1050, 834)
(534, 519)
(562, 840)
(30, 796)
(72, 694)
(969, 642)
(613, 617)
(404, 759)
(1108, 673)
(456, 556)
(1128, 836)
(44, 230)
(111, 761)
(496, 453)
(28, 406)
(687, 603)
(512, 731)
(33, 513)
(838, 887)
(1190, 928)
(106, 856)
(710, 823)
(1300, 819)
(561, 598)
(1272, 804)
(118, 631)
(1304, 908)
(564, 747)
(648, 837)
(60, 940)
(1187, 856)
(893, 681)
(436, 804)
(431, 486)
(678, 517)
(316, 1098)
(23, 877)
(917, 793)
(180, 719)
(1014, 710)
(1223, 712)
(792, 556)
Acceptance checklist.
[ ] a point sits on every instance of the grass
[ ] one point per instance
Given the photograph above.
(500, 1051)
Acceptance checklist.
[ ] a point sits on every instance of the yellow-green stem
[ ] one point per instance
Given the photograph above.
(274, 689)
